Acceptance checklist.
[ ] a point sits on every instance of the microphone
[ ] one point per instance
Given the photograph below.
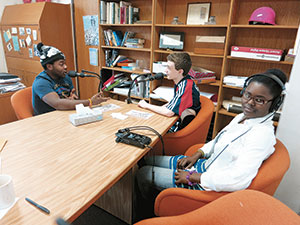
(158, 76)
(76, 74)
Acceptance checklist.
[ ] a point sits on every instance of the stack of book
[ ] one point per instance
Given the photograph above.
(118, 13)
(10, 83)
(201, 75)
(236, 81)
(134, 43)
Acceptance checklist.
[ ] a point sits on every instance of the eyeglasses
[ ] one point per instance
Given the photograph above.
(257, 100)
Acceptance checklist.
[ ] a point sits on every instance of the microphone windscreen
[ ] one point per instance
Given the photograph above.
(72, 73)
(159, 76)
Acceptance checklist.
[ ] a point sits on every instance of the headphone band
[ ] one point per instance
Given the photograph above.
(272, 76)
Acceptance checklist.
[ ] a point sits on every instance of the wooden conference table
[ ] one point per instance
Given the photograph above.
(66, 168)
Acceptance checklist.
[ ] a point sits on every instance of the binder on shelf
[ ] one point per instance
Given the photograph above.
(257, 53)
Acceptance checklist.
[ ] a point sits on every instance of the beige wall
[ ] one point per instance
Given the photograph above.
(4, 3)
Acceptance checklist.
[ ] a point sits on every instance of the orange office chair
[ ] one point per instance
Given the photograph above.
(21, 102)
(246, 207)
(176, 201)
(196, 132)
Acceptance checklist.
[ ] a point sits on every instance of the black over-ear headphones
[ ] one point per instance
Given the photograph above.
(276, 103)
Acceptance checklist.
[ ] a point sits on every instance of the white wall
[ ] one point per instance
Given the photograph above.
(4, 3)
(289, 133)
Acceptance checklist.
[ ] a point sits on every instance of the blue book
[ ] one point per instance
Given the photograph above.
(118, 37)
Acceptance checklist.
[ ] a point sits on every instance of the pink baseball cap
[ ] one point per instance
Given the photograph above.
(263, 15)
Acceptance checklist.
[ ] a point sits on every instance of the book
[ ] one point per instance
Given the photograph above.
(128, 67)
(135, 40)
(102, 12)
(119, 57)
(133, 45)
(118, 37)
(128, 34)
(126, 64)
(257, 53)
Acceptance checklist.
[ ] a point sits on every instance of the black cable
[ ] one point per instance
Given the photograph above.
(146, 128)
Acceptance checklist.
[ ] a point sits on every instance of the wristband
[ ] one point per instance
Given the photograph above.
(188, 178)
(201, 151)
(90, 104)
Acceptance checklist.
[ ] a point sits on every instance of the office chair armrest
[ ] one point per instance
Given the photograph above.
(177, 201)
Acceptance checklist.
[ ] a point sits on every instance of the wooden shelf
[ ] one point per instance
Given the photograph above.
(126, 25)
(129, 49)
(122, 70)
(191, 26)
(263, 26)
(226, 113)
(190, 53)
(260, 60)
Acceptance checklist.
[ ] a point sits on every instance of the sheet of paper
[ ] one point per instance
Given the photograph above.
(105, 108)
(139, 114)
(163, 92)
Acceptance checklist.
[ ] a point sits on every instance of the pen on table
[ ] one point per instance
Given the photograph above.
(38, 206)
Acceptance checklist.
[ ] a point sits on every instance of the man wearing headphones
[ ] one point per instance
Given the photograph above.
(232, 159)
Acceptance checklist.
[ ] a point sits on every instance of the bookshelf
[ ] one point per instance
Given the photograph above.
(232, 22)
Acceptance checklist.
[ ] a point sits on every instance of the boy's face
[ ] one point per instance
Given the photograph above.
(172, 73)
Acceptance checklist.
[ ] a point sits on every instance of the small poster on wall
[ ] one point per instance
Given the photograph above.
(14, 30)
(9, 47)
(30, 52)
(28, 41)
(34, 35)
(28, 30)
(91, 30)
(21, 30)
(93, 56)
(16, 43)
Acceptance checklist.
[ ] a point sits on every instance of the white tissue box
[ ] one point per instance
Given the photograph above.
(77, 120)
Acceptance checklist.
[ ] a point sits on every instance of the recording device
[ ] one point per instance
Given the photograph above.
(76, 74)
(131, 138)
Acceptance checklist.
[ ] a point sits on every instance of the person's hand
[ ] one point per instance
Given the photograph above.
(180, 177)
(98, 98)
(73, 95)
(143, 104)
(187, 162)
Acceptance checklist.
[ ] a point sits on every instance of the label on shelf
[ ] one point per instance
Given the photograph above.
(256, 53)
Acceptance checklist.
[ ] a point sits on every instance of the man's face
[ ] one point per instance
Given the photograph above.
(172, 73)
(58, 69)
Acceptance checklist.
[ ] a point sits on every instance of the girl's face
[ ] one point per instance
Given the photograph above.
(256, 100)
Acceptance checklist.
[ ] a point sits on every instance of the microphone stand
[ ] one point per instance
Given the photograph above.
(129, 101)
(96, 75)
